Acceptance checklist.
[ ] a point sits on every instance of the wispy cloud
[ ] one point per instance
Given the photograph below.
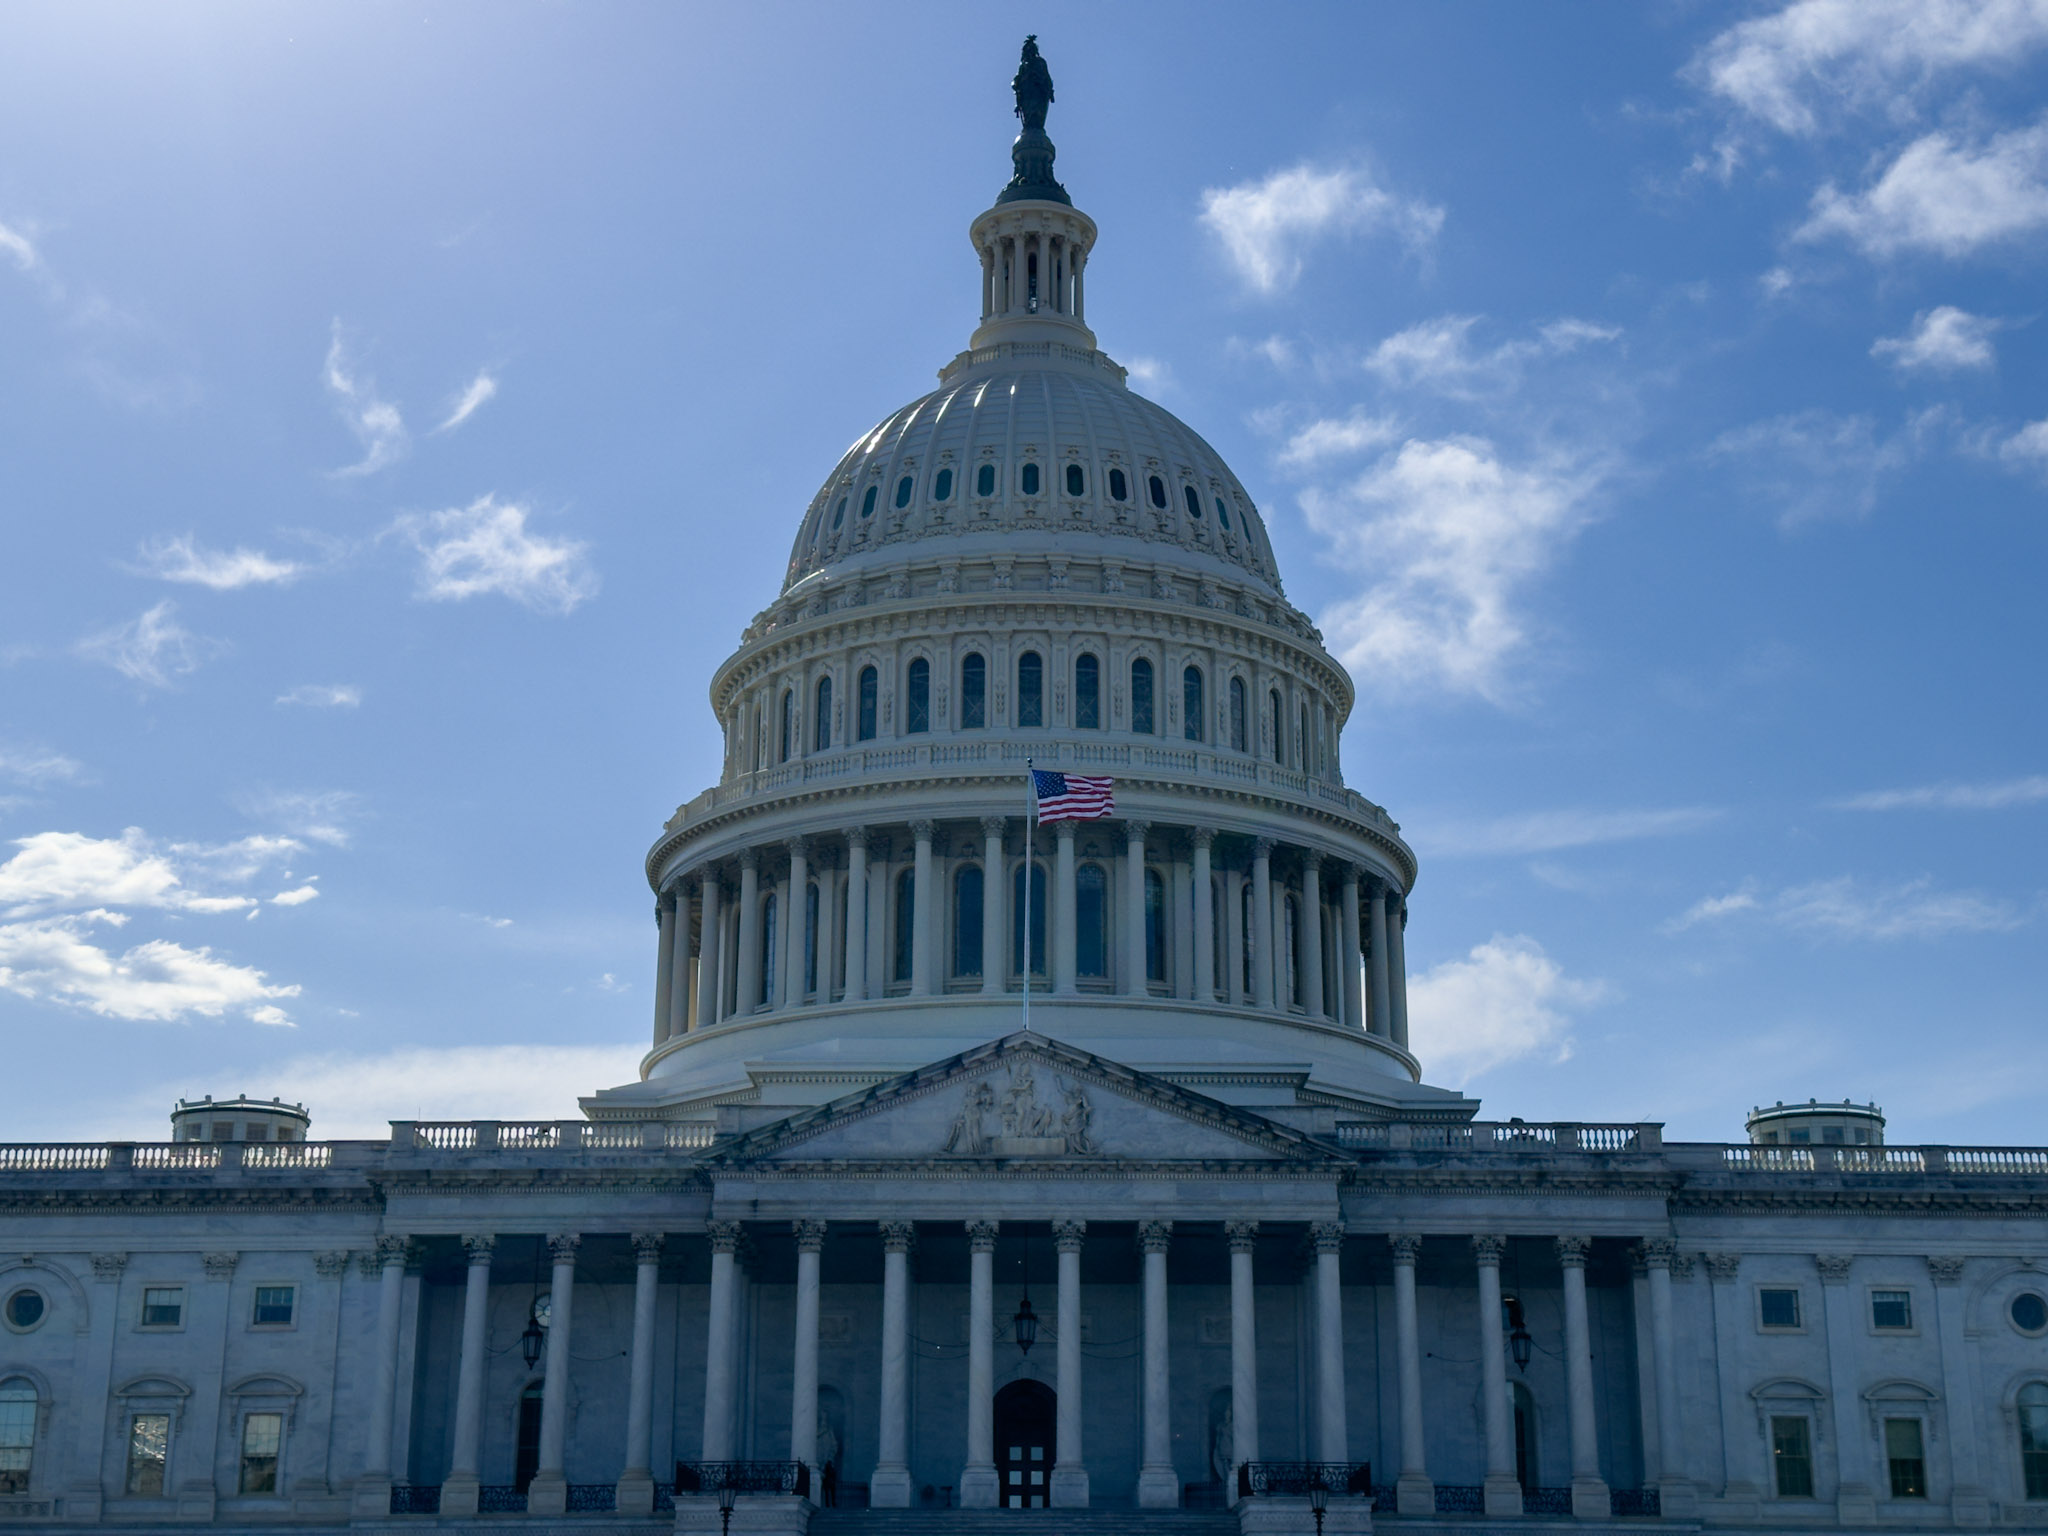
(1505, 1001)
(38, 769)
(1340, 437)
(1438, 354)
(1814, 466)
(152, 649)
(359, 1095)
(1267, 227)
(1944, 339)
(319, 816)
(324, 696)
(19, 248)
(1851, 909)
(180, 559)
(55, 960)
(377, 424)
(1998, 795)
(2028, 447)
(485, 547)
(1550, 831)
(470, 401)
(1943, 196)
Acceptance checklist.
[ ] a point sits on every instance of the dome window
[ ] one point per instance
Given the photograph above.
(1141, 696)
(821, 729)
(1087, 693)
(917, 709)
(967, 921)
(1222, 514)
(1027, 481)
(839, 513)
(1037, 904)
(1194, 501)
(942, 488)
(906, 924)
(973, 692)
(903, 490)
(1237, 714)
(869, 688)
(1077, 482)
(770, 911)
(1091, 921)
(867, 503)
(985, 480)
(1119, 487)
(1030, 689)
(786, 743)
(1157, 487)
(1155, 927)
(1191, 703)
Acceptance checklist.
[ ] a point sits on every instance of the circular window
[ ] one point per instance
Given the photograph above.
(2029, 1313)
(24, 1310)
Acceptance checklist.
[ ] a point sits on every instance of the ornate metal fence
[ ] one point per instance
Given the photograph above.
(409, 1500)
(500, 1499)
(593, 1498)
(1299, 1478)
(1635, 1503)
(1460, 1499)
(784, 1477)
(1546, 1501)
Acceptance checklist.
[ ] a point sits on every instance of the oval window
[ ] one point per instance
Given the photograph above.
(24, 1309)
(2029, 1312)
(839, 513)
(1077, 482)
(1029, 480)
(1119, 487)
(867, 503)
(942, 488)
(903, 488)
(985, 480)
(1194, 502)
(1157, 487)
(1222, 514)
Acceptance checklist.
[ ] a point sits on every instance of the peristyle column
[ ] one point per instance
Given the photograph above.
(1312, 933)
(459, 1488)
(856, 913)
(548, 1494)
(1261, 935)
(707, 950)
(1205, 915)
(1414, 1492)
(1503, 1494)
(803, 1392)
(795, 923)
(922, 898)
(1134, 908)
(995, 893)
(1244, 1350)
(1351, 973)
(1334, 1438)
(1397, 966)
(748, 996)
(978, 1487)
(1382, 1006)
(1589, 1491)
(721, 1340)
(1158, 1486)
(889, 1487)
(635, 1494)
(1070, 1469)
(664, 962)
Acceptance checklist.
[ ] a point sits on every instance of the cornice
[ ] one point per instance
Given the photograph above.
(154, 1200)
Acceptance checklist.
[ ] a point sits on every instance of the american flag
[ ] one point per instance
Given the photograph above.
(1070, 797)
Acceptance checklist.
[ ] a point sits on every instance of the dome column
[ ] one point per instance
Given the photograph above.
(748, 996)
(708, 929)
(681, 975)
(1205, 916)
(1311, 936)
(796, 924)
(1350, 973)
(995, 892)
(1261, 936)
(1382, 993)
(1134, 907)
(921, 899)
(1397, 983)
(1064, 932)
(856, 913)
(664, 962)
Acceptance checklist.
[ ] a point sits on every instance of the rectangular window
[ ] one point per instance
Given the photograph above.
(262, 1434)
(274, 1305)
(149, 1447)
(1892, 1310)
(163, 1306)
(1777, 1308)
(1907, 1458)
(1792, 1457)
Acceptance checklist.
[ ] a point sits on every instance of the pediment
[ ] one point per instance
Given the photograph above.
(1025, 1098)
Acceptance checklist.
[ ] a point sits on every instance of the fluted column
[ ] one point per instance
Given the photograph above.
(1312, 934)
(1589, 1492)
(1675, 1490)
(1232, 982)
(995, 906)
(856, 913)
(978, 1487)
(921, 910)
(707, 950)
(373, 1490)
(795, 923)
(1414, 1492)
(681, 991)
(1244, 1350)
(748, 996)
(1382, 1006)
(1064, 932)
(548, 1493)
(1205, 915)
(803, 1392)
(1070, 1468)
(664, 962)
(1158, 1486)
(1503, 1490)
(1261, 936)
(1397, 965)
(1350, 975)
(635, 1494)
(459, 1488)
(1334, 1439)
(1134, 908)
(721, 1340)
(889, 1487)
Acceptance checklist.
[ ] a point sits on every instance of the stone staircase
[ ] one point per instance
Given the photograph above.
(1023, 1522)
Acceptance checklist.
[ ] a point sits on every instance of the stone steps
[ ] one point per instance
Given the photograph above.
(1023, 1522)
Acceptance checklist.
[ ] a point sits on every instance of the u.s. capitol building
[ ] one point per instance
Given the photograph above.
(1196, 1246)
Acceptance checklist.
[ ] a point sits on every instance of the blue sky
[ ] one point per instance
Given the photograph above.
(403, 409)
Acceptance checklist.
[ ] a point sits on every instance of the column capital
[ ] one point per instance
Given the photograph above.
(1487, 1249)
(1658, 1252)
(479, 1246)
(1347, 872)
(1240, 1235)
(1262, 847)
(856, 837)
(797, 847)
(923, 830)
(562, 1246)
(1312, 859)
(392, 1249)
(647, 1247)
(810, 1234)
(1722, 1267)
(1136, 831)
(1064, 831)
(981, 1236)
(1571, 1250)
(1406, 1246)
(1326, 1236)
(1201, 837)
(1946, 1269)
(328, 1266)
(1833, 1267)
(724, 1235)
(1155, 1236)
(750, 858)
(994, 826)
(1067, 1236)
(898, 1236)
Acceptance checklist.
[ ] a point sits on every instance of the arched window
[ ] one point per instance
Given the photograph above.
(917, 706)
(967, 921)
(770, 911)
(1027, 481)
(1219, 934)
(810, 936)
(942, 487)
(1290, 953)
(839, 513)
(788, 737)
(1244, 927)
(1077, 482)
(1155, 926)
(1157, 489)
(985, 480)
(1302, 743)
(1037, 920)
(1141, 696)
(1193, 721)
(1091, 921)
(867, 503)
(821, 726)
(1119, 487)
(1222, 514)
(262, 1441)
(1030, 689)
(903, 490)
(1237, 713)
(1278, 723)
(526, 1452)
(906, 921)
(973, 691)
(870, 686)
(1087, 693)
(17, 1434)
(1193, 498)
(2033, 1415)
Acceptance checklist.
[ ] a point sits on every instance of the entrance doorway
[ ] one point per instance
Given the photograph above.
(526, 1458)
(1025, 1419)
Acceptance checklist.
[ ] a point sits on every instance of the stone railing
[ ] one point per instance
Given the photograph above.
(1502, 1136)
(549, 1136)
(1829, 1158)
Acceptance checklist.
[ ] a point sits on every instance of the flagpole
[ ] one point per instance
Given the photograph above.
(1030, 820)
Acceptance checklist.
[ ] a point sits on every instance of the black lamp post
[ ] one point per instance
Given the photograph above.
(1318, 1498)
(727, 1493)
(1519, 1340)
(531, 1340)
(1024, 1324)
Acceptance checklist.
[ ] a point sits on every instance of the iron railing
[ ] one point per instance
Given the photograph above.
(1460, 1499)
(1634, 1503)
(412, 1499)
(592, 1498)
(785, 1477)
(500, 1499)
(1298, 1478)
(1546, 1501)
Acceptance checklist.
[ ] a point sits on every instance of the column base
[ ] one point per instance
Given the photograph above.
(1158, 1488)
(1415, 1494)
(1855, 1504)
(979, 1488)
(889, 1487)
(1069, 1487)
(547, 1496)
(1678, 1498)
(370, 1499)
(1503, 1496)
(1968, 1507)
(1589, 1499)
(635, 1494)
(459, 1496)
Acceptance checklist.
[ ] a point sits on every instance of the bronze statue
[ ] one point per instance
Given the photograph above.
(1033, 85)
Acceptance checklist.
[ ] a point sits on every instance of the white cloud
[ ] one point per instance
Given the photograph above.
(20, 247)
(377, 424)
(1266, 227)
(2028, 446)
(295, 898)
(1847, 908)
(321, 816)
(179, 559)
(1944, 339)
(55, 960)
(357, 1096)
(36, 769)
(1784, 68)
(1448, 535)
(324, 695)
(1549, 831)
(1943, 196)
(1814, 465)
(1336, 438)
(1438, 354)
(152, 648)
(485, 547)
(1777, 282)
(1504, 1001)
(1997, 796)
(1150, 374)
(481, 389)
(54, 871)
